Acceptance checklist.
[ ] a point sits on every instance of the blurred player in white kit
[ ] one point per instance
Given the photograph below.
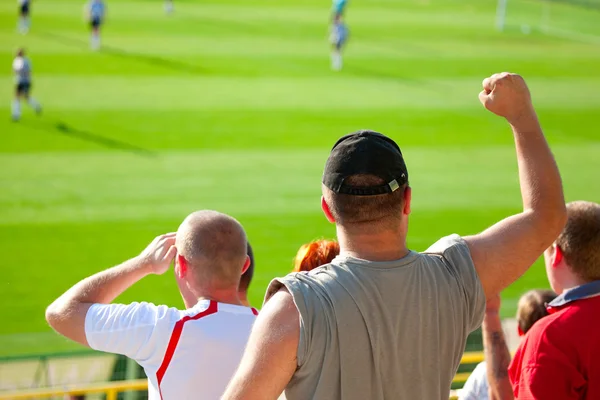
(24, 21)
(339, 34)
(169, 7)
(22, 69)
(96, 11)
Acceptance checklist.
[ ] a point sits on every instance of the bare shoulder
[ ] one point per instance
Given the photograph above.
(281, 308)
(276, 331)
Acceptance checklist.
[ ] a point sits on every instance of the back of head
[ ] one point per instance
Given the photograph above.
(249, 273)
(364, 180)
(215, 247)
(315, 254)
(348, 209)
(532, 307)
(21, 52)
(580, 239)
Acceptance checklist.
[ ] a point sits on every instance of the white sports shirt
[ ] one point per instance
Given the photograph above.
(476, 387)
(189, 354)
(22, 69)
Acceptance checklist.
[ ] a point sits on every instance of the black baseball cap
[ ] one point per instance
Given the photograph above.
(366, 153)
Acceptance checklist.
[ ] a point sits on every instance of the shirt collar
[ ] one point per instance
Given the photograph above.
(585, 291)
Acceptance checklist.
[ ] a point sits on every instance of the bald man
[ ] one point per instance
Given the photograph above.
(187, 354)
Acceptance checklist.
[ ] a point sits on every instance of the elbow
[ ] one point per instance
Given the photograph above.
(557, 221)
(53, 316)
(550, 223)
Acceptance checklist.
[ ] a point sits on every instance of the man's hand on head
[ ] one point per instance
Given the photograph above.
(67, 314)
(159, 254)
(507, 95)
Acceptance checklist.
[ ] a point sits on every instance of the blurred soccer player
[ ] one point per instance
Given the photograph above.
(24, 19)
(96, 12)
(186, 354)
(381, 321)
(531, 308)
(22, 69)
(169, 7)
(314, 254)
(338, 35)
(247, 278)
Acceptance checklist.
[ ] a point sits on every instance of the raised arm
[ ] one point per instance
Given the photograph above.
(270, 357)
(497, 356)
(503, 252)
(66, 315)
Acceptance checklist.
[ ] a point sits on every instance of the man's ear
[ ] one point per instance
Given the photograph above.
(558, 256)
(326, 210)
(181, 266)
(246, 265)
(407, 200)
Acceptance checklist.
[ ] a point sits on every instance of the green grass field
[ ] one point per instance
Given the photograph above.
(230, 105)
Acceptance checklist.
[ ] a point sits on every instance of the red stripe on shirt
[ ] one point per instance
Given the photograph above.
(212, 308)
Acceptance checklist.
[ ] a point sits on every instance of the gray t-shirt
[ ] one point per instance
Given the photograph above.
(384, 330)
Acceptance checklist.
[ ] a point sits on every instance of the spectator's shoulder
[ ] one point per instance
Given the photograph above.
(446, 244)
(138, 312)
(567, 322)
(292, 282)
(454, 250)
(549, 331)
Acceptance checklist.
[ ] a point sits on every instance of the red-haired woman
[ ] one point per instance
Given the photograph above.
(315, 254)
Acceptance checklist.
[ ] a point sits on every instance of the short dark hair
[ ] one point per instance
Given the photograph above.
(580, 239)
(247, 276)
(532, 307)
(351, 209)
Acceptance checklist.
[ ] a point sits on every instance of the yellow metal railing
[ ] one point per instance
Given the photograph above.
(111, 389)
(472, 357)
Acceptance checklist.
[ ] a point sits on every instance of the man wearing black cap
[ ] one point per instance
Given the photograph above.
(382, 321)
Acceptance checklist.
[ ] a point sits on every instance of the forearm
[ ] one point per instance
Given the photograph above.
(67, 314)
(497, 357)
(107, 285)
(540, 181)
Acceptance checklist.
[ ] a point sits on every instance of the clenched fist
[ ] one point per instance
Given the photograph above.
(507, 95)
(160, 253)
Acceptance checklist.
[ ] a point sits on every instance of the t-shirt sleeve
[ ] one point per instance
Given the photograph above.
(131, 330)
(457, 255)
(476, 387)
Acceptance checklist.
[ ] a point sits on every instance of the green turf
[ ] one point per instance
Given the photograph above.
(231, 105)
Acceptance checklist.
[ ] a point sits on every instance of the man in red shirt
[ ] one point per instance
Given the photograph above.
(559, 357)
